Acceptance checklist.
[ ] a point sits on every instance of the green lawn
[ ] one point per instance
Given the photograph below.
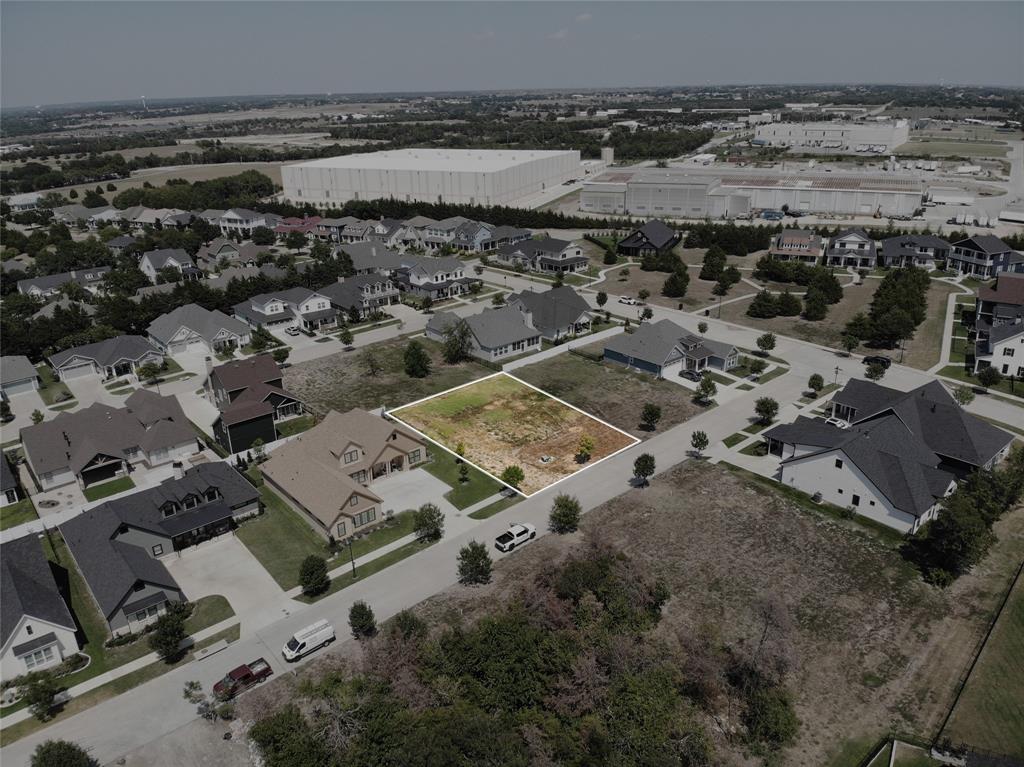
(51, 389)
(399, 526)
(17, 514)
(280, 540)
(463, 494)
(993, 698)
(104, 489)
(756, 428)
(756, 449)
(960, 374)
(720, 379)
(496, 507)
(342, 577)
(745, 387)
(774, 373)
(734, 439)
(294, 426)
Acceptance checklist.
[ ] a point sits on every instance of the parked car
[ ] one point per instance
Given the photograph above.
(839, 423)
(689, 375)
(292, 331)
(308, 639)
(772, 215)
(878, 359)
(240, 679)
(518, 532)
(629, 300)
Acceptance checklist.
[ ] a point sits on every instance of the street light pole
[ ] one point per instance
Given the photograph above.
(351, 558)
(836, 381)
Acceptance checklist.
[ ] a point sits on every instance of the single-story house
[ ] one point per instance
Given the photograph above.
(17, 375)
(67, 305)
(193, 327)
(114, 357)
(37, 630)
(118, 245)
(49, 285)
(312, 310)
(370, 257)
(327, 472)
(653, 238)
(556, 313)
(665, 349)
(494, 333)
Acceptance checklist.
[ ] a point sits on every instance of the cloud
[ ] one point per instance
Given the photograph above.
(483, 34)
(583, 18)
(559, 35)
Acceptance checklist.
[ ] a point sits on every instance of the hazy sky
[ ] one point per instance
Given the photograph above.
(55, 52)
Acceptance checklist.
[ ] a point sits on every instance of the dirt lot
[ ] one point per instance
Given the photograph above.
(874, 646)
(610, 392)
(197, 744)
(501, 422)
(698, 293)
(340, 381)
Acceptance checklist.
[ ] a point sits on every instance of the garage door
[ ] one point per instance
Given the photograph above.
(76, 371)
(671, 369)
(19, 387)
(183, 346)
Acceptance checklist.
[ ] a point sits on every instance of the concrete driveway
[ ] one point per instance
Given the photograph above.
(22, 406)
(406, 490)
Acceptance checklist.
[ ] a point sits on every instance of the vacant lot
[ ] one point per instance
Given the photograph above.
(994, 696)
(342, 381)
(501, 422)
(827, 332)
(952, 149)
(872, 646)
(610, 392)
(925, 348)
(160, 176)
(698, 293)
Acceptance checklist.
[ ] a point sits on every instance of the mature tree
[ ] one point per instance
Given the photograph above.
(859, 327)
(61, 753)
(512, 475)
(952, 543)
(458, 342)
(313, 575)
(875, 371)
(370, 361)
(707, 388)
(815, 306)
(168, 634)
(766, 409)
(38, 691)
(148, 371)
(320, 251)
(676, 284)
(989, 377)
(643, 294)
(585, 448)
(345, 336)
(816, 383)
(463, 473)
(714, 264)
(650, 415)
(602, 298)
(702, 327)
(498, 299)
(699, 442)
(764, 306)
(263, 235)
(428, 522)
(964, 395)
(295, 240)
(849, 343)
(362, 620)
(565, 514)
(787, 305)
(766, 342)
(643, 469)
(474, 564)
(417, 360)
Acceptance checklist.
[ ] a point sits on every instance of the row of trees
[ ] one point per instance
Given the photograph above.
(899, 305)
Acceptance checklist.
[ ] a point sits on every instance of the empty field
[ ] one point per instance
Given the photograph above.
(952, 149)
(501, 421)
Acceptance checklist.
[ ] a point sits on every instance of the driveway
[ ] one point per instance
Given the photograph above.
(411, 489)
(89, 389)
(22, 406)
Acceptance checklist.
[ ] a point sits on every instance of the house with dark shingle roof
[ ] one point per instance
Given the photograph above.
(362, 295)
(17, 375)
(310, 309)
(546, 255)
(920, 250)
(853, 248)
(902, 454)
(1002, 347)
(193, 327)
(251, 398)
(495, 334)
(999, 303)
(111, 358)
(653, 238)
(666, 349)
(37, 630)
(155, 261)
(49, 285)
(556, 313)
(985, 256)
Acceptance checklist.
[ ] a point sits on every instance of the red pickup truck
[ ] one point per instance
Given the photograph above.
(242, 678)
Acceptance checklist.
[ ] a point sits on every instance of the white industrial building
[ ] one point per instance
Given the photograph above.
(837, 137)
(473, 176)
(720, 193)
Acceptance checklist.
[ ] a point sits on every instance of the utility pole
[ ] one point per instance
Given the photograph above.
(838, 371)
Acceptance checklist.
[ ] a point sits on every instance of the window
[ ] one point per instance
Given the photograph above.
(353, 501)
(414, 456)
(351, 456)
(38, 658)
(871, 503)
(28, 629)
(1007, 352)
(839, 465)
(840, 491)
(212, 494)
(140, 615)
(856, 500)
(191, 501)
(341, 529)
(158, 550)
(364, 518)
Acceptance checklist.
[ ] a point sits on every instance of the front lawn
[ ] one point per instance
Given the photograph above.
(478, 486)
(734, 439)
(105, 489)
(51, 390)
(397, 527)
(343, 577)
(500, 505)
(17, 514)
(960, 374)
(294, 426)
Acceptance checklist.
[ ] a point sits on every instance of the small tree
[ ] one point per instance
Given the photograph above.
(313, 575)
(816, 383)
(512, 476)
(757, 366)
(565, 514)
(167, 635)
(37, 417)
(205, 706)
(295, 240)
(362, 620)
(764, 306)
(38, 691)
(706, 389)
(345, 336)
(280, 354)
(460, 449)
(408, 626)
(702, 327)
(766, 342)
(259, 451)
(427, 304)
(646, 313)
(474, 564)
(370, 361)
(585, 448)
(428, 522)
(602, 298)
(457, 342)
(417, 360)
(989, 377)
(643, 294)
(676, 284)
(148, 371)
(766, 409)
(498, 299)
(643, 469)
(787, 305)
(699, 442)
(849, 343)
(650, 416)
(61, 753)
(875, 371)
(964, 395)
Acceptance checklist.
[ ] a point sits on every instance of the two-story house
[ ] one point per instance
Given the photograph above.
(330, 229)
(361, 296)
(242, 221)
(852, 248)
(434, 277)
(797, 245)
(999, 303)
(312, 310)
(546, 255)
(984, 256)
(153, 262)
(920, 250)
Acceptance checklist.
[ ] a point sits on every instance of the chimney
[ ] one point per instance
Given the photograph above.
(209, 365)
(179, 470)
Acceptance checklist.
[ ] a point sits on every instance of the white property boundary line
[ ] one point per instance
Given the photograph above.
(392, 414)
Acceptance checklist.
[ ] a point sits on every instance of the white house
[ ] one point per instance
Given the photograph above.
(312, 310)
(1001, 347)
(854, 247)
(242, 221)
(153, 261)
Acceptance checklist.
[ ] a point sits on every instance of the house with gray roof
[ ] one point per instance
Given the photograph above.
(437, 278)
(495, 334)
(1002, 347)
(101, 442)
(234, 254)
(112, 358)
(193, 328)
(545, 255)
(242, 221)
(310, 309)
(653, 238)
(371, 257)
(118, 245)
(17, 376)
(67, 305)
(362, 295)
(852, 248)
(985, 256)
(37, 630)
(155, 261)
(557, 313)
(666, 349)
(90, 278)
(920, 250)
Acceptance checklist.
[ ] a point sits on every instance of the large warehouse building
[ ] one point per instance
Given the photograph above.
(686, 193)
(473, 176)
(834, 138)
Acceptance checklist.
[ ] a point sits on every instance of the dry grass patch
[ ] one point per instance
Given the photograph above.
(925, 348)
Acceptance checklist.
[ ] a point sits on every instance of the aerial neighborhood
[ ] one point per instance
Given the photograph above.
(609, 426)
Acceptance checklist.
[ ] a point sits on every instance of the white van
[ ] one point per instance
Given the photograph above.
(304, 641)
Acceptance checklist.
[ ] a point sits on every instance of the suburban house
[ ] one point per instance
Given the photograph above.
(543, 255)
(313, 310)
(101, 442)
(434, 277)
(852, 248)
(10, 488)
(494, 333)
(42, 287)
(191, 327)
(306, 226)
(330, 229)
(175, 259)
(362, 295)
(797, 245)
(326, 473)
(37, 630)
(65, 304)
(20, 203)
(665, 349)
(556, 313)
(118, 245)
(251, 399)
(901, 455)
(438, 234)
(211, 216)
(242, 221)
(920, 250)
(371, 258)
(114, 357)
(983, 255)
(17, 375)
(653, 238)
(222, 249)
(1002, 347)
(1000, 303)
